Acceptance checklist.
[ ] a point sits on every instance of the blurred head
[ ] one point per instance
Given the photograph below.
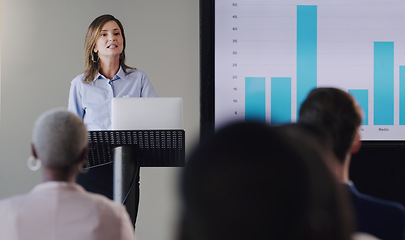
(310, 137)
(337, 113)
(250, 182)
(59, 138)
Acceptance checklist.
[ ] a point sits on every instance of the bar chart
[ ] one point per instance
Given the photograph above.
(270, 54)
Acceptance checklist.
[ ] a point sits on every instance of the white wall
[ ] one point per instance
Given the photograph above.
(42, 50)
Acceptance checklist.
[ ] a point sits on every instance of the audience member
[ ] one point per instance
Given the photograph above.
(338, 114)
(250, 181)
(58, 208)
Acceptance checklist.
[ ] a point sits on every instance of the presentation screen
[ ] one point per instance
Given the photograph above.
(268, 54)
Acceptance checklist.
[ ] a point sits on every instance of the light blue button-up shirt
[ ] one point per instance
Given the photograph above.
(92, 101)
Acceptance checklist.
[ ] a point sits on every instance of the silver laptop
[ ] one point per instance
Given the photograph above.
(160, 113)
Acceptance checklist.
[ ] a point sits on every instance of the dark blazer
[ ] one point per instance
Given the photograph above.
(381, 218)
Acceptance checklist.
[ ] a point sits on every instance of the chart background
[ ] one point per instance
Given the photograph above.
(266, 46)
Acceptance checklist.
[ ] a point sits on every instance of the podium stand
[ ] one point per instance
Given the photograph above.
(130, 149)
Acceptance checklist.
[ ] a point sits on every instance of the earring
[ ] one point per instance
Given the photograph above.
(33, 163)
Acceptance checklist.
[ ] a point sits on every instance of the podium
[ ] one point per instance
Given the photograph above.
(130, 149)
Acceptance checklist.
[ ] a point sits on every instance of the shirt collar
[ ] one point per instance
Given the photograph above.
(120, 75)
(57, 184)
(350, 183)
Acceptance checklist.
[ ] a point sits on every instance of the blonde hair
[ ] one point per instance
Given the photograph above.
(91, 61)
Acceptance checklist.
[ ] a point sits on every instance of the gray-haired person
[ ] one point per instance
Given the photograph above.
(58, 208)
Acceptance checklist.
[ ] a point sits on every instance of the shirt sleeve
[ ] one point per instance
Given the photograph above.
(75, 100)
(147, 88)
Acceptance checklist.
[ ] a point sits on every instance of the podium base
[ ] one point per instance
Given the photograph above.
(126, 179)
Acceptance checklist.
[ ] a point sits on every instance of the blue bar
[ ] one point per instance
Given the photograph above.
(361, 96)
(255, 99)
(306, 51)
(280, 100)
(401, 95)
(383, 83)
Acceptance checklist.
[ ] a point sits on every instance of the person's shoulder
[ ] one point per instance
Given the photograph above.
(11, 203)
(378, 203)
(104, 203)
(78, 79)
(6, 202)
(395, 206)
(111, 216)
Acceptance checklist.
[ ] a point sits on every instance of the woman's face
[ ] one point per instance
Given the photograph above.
(110, 42)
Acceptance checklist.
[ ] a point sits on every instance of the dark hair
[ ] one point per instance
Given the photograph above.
(335, 111)
(249, 182)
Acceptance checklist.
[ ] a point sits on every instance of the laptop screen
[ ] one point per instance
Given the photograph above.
(161, 113)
